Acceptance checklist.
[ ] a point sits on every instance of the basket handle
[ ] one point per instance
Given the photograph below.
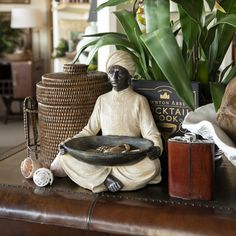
(30, 126)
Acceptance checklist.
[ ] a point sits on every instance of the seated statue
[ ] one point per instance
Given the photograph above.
(119, 112)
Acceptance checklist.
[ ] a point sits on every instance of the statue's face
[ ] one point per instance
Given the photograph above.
(118, 77)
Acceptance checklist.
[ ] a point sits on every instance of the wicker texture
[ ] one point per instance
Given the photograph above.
(65, 103)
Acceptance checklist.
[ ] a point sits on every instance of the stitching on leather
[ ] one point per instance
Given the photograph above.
(90, 212)
(115, 196)
(175, 202)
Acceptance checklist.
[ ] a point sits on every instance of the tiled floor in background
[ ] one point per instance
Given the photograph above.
(11, 134)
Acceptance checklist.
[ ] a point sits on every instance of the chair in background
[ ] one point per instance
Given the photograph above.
(6, 88)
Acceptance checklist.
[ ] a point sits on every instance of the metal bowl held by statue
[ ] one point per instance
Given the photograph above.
(89, 149)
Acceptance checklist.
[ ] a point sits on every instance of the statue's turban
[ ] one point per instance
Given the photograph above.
(121, 58)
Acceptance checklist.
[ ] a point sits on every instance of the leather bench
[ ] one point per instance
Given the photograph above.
(67, 209)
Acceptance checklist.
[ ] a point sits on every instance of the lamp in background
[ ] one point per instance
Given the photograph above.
(27, 18)
(92, 19)
(90, 29)
(92, 12)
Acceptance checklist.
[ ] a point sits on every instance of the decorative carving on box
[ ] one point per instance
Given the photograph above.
(65, 103)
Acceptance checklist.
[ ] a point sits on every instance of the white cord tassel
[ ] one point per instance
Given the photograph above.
(43, 177)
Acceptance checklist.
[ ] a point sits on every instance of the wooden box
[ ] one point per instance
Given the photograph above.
(190, 168)
(25, 76)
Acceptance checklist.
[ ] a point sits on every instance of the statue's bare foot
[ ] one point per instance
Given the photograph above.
(113, 184)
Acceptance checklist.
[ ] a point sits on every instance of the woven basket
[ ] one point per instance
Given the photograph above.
(65, 103)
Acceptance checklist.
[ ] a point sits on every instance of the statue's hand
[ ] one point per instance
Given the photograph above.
(154, 152)
(61, 148)
(114, 187)
(113, 184)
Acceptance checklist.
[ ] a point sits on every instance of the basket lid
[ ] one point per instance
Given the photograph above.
(73, 75)
(75, 69)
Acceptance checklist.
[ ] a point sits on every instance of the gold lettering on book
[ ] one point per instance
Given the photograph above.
(172, 111)
(167, 109)
(165, 95)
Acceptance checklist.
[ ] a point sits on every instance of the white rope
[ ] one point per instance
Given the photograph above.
(43, 177)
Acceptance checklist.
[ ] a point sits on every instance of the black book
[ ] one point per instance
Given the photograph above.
(167, 108)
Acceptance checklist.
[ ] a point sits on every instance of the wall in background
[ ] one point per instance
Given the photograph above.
(45, 32)
(44, 35)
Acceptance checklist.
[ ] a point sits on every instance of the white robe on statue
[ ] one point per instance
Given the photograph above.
(125, 113)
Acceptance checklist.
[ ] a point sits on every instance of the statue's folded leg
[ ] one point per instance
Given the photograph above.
(56, 167)
(138, 175)
(87, 176)
(92, 177)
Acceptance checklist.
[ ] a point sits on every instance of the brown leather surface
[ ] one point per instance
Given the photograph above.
(159, 218)
(20, 228)
(149, 211)
(191, 169)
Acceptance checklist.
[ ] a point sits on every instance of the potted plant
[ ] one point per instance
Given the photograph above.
(206, 38)
(207, 28)
(9, 39)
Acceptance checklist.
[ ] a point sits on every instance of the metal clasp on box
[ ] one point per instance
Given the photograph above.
(190, 137)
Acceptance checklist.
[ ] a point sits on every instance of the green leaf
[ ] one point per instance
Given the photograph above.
(203, 77)
(228, 19)
(230, 76)
(82, 49)
(222, 74)
(142, 58)
(102, 34)
(190, 66)
(217, 93)
(226, 31)
(164, 49)
(176, 31)
(157, 14)
(192, 7)
(184, 51)
(109, 40)
(190, 29)
(202, 72)
(206, 39)
(129, 25)
(211, 3)
(229, 6)
(218, 40)
(225, 37)
(212, 55)
(209, 18)
(202, 40)
(207, 35)
(156, 71)
(111, 3)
